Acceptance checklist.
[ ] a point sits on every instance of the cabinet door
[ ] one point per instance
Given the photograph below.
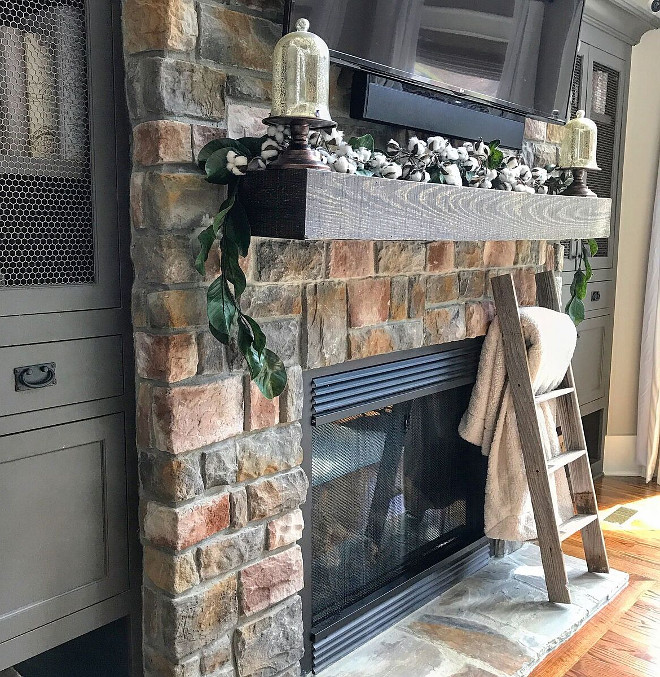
(63, 521)
(592, 357)
(58, 179)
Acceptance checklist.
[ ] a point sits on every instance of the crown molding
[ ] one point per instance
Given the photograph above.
(621, 18)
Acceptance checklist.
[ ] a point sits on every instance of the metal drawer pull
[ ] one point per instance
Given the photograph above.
(34, 376)
(595, 296)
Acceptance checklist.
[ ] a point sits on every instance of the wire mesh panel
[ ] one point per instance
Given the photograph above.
(392, 490)
(46, 213)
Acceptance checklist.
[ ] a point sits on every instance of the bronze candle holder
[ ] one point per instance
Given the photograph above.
(299, 154)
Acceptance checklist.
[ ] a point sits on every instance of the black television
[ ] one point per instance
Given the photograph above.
(458, 67)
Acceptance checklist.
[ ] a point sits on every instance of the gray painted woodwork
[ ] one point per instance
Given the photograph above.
(592, 358)
(68, 475)
(325, 205)
(622, 19)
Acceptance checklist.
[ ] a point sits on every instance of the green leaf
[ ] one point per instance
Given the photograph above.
(271, 379)
(257, 333)
(206, 239)
(495, 158)
(593, 246)
(237, 228)
(580, 284)
(495, 143)
(245, 339)
(436, 176)
(575, 310)
(366, 141)
(221, 309)
(225, 208)
(230, 268)
(364, 172)
(252, 144)
(217, 144)
(216, 167)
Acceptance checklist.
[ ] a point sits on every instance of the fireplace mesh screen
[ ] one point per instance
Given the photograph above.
(392, 490)
(46, 219)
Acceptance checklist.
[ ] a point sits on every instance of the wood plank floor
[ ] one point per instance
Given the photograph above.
(623, 640)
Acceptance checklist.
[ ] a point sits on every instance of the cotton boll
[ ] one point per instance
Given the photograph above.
(539, 175)
(469, 147)
(471, 164)
(491, 174)
(451, 154)
(393, 147)
(419, 175)
(520, 188)
(391, 170)
(256, 164)
(542, 190)
(416, 146)
(485, 183)
(343, 165)
(524, 173)
(436, 144)
(481, 150)
(269, 150)
(462, 154)
(377, 161)
(363, 155)
(452, 174)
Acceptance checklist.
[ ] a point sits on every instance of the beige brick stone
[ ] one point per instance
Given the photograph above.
(163, 258)
(159, 24)
(211, 354)
(535, 130)
(236, 39)
(190, 417)
(468, 254)
(194, 620)
(216, 656)
(399, 298)
(397, 258)
(181, 527)
(555, 134)
(550, 261)
(440, 257)
(287, 260)
(499, 253)
(371, 341)
(441, 288)
(260, 412)
(291, 400)
(177, 308)
(368, 301)
(271, 580)
(171, 478)
(246, 119)
(138, 307)
(285, 530)
(136, 192)
(143, 415)
(269, 451)
(156, 665)
(159, 141)
(271, 300)
(220, 464)
(525, 284)
(327, 324)
(274, 495)
(168, 358)
(416, 296)
(471, 284)
(444, 324)
(239, 507)
(249, 87)
(202, 134)
(351, 258)
(173, 573)
(478, 317)
(230, 551)
(270, 643)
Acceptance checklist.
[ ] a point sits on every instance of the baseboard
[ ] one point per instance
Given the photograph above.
(619, 456)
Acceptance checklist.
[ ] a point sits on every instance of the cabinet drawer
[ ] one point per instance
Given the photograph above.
(600, 295)
(85, 369)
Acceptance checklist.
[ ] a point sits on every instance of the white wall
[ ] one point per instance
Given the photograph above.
(640, 169)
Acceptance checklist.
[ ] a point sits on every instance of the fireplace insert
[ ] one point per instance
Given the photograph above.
(395, 510)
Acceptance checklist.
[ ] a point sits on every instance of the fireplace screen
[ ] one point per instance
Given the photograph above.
(393, 491)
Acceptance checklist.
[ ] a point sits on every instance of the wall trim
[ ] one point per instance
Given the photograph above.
(619, 456)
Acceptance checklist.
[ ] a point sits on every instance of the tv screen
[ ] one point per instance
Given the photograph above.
(515, 55)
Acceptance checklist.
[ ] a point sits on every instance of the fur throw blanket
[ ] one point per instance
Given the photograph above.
(490, 421)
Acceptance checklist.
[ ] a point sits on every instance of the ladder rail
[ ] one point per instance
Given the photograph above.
(515, 354)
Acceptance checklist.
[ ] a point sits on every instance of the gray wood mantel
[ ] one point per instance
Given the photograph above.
(307, 204)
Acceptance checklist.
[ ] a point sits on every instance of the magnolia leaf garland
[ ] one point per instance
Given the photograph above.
(436, 160)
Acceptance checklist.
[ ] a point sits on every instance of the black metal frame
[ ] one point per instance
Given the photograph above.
(328, 397)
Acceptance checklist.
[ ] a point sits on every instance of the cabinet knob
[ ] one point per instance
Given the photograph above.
(595, 296)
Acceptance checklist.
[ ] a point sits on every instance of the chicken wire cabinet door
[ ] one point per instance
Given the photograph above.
(58, 182)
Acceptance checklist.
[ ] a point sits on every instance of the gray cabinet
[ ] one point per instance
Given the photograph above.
(68, 532)
(591, 360)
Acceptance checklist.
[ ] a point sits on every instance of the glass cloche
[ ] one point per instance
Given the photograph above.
(578, 148)
(301, 67)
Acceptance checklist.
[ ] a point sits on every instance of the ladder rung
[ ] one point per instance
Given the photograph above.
(553, 394)
(564, 459)
(575, 524)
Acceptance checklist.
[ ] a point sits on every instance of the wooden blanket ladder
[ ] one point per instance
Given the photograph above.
(574, 461)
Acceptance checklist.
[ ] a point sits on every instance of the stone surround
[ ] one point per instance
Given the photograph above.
(220, 481)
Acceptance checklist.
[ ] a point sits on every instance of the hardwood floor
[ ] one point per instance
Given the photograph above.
(623, 640)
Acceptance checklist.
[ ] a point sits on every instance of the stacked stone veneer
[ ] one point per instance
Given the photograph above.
(219, 464)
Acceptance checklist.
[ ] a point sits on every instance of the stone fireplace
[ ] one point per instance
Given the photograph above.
(221, 482)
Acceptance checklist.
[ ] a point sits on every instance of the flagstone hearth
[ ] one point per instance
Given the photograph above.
(495, 623)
